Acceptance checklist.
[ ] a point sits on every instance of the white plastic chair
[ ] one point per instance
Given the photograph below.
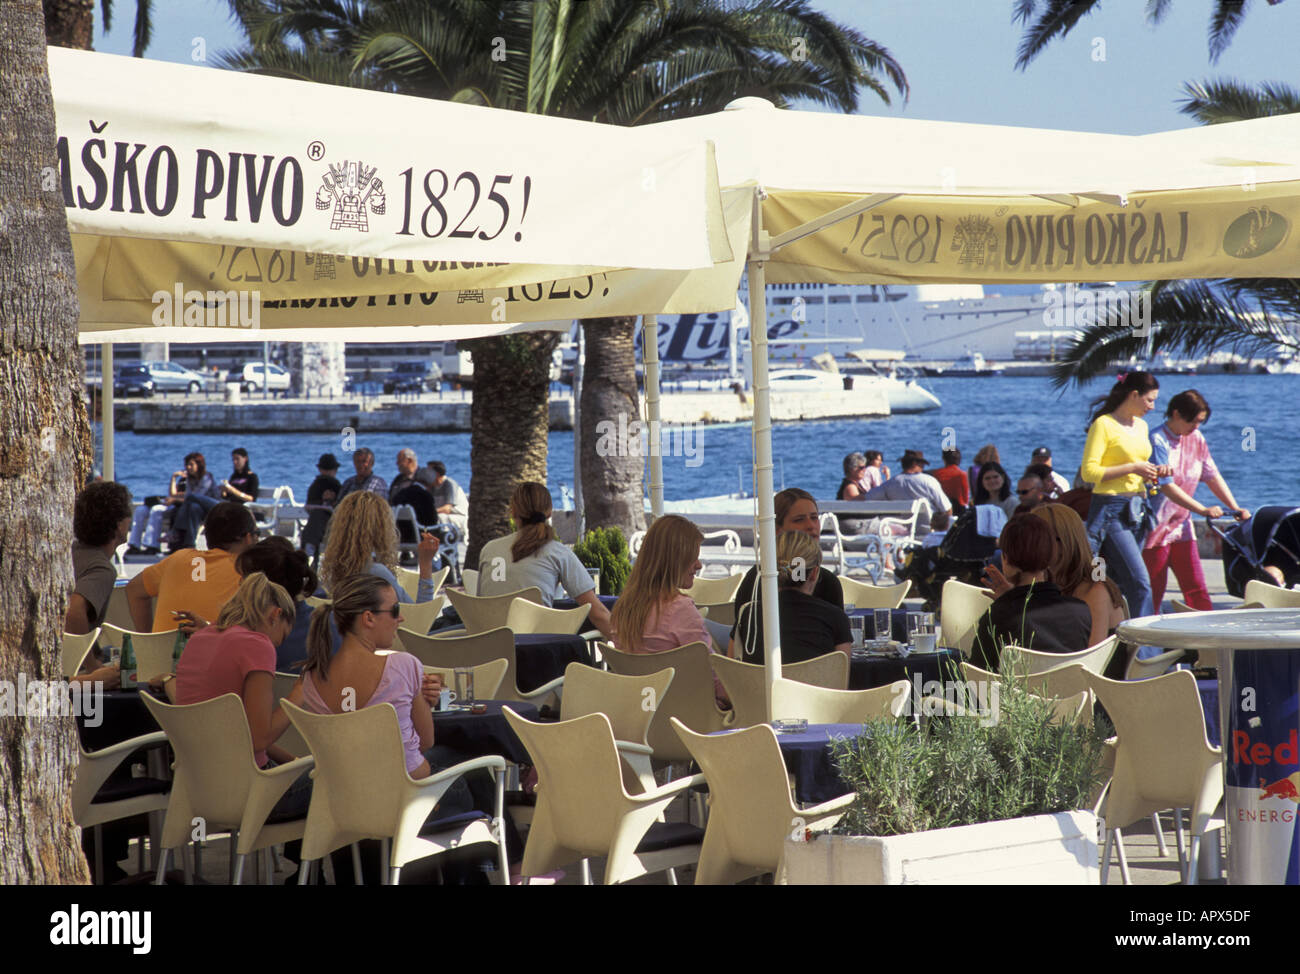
(752, 811)
(449, 652)
(469, 578)
(690, 698)
(1271, 596)
(482, 613)
(487, 677)
(410, 581)
(711, 591)
(960, 608)
(361, 790)
(1145, 669)
(217, 782)
(1164, 759)
(629, 702)
(73, 651)
(746, 683)
(1093, 659)
(138, 796)
(420, 616)
(153, 650)
(819, 705)
(524, 616)
(866, 596)
(584, 810)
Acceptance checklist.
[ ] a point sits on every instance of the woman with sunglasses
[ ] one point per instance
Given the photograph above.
(368, 612)
(1179, 444)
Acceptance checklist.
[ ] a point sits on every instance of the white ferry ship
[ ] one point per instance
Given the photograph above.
(929, 323)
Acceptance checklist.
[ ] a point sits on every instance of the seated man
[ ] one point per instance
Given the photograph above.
(364, 462)
(953, 480)
(449, 500)
(1030, 491)
(407, 465)
(101, 521)
(322, 494)
(192, 581)
(914, 484)
(1043, 456)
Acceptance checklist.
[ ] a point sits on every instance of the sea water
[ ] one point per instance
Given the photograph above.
(1253, 435)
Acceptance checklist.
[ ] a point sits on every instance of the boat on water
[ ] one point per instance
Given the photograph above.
(972, 365)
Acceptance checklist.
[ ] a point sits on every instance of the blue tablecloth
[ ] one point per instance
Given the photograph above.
(606, 600)
(808, 757)
(866, 672)
(478, 735)
(541, 657)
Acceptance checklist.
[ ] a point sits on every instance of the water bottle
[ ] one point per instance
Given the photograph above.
(178, 647)
(128, 663)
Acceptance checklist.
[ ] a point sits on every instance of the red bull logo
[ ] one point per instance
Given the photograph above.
(1246, 752)
(1288, 787)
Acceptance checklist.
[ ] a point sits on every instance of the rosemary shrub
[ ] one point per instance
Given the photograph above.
(606, 549)
(962, 771)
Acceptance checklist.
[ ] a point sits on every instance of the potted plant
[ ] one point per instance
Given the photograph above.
(996, 798)
(605, 550)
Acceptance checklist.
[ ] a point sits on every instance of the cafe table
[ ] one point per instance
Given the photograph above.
(867, 670)
(809, 758)
(1259, 717)
(478, 735)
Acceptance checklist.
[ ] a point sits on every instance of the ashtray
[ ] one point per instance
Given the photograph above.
(790, 725)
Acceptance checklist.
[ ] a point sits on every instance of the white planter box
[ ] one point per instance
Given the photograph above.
(1058, 849)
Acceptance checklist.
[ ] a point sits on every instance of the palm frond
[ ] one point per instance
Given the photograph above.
(1156, 10)
(1227, 100)
(1224, 21)
(1058, 17)
(1190, 318)
(143, 27)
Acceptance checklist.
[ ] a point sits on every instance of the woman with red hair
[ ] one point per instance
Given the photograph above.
(1034, 613)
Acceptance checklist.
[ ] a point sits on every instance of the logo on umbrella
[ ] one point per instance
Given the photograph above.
(350, 187)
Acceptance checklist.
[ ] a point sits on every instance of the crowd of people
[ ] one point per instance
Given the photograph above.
(242, 600)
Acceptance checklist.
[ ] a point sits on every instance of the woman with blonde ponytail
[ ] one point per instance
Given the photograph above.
(533, 556)
(367, 612)
(810, 626)
(236, 654)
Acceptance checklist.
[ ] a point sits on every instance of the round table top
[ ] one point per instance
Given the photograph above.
(1224, 629)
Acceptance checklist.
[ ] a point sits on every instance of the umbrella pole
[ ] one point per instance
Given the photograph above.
(106, 408)
(762, 431)
(650, 355)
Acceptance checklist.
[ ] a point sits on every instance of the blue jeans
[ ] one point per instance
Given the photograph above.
(1116, 530)
(190, 517)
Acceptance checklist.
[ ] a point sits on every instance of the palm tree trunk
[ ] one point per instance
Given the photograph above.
(509, 421)
(40, 389)
(70, 23)
(612, 465)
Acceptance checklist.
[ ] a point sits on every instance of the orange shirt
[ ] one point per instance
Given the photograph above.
(201, 582)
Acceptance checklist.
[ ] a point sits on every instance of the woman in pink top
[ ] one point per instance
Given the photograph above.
(237, 655)
(1180, 444)
(653, 615)
(367, 612)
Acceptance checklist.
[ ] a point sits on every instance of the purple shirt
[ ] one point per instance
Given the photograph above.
(403, 679)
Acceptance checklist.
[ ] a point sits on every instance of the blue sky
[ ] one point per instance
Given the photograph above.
(959, 57)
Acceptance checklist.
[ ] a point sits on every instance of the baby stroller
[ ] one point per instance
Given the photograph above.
(1270, 537)
(962, 555)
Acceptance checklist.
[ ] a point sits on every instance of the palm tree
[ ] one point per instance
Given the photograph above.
(40, 386)
(1247, 316)
(71, 23)
(625, 62)
(1046, 19)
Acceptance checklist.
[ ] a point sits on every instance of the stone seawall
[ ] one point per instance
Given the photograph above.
(306, 416)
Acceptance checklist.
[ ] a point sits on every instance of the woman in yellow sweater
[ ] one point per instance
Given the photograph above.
(1116, 462)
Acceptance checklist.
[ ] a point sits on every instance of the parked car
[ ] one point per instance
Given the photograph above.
(132, 380)
(276, 378)
(362, 387)
(413, 377)
(172, 377)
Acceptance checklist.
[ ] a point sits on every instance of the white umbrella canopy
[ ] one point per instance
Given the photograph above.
(860, 199)
(172, 152)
